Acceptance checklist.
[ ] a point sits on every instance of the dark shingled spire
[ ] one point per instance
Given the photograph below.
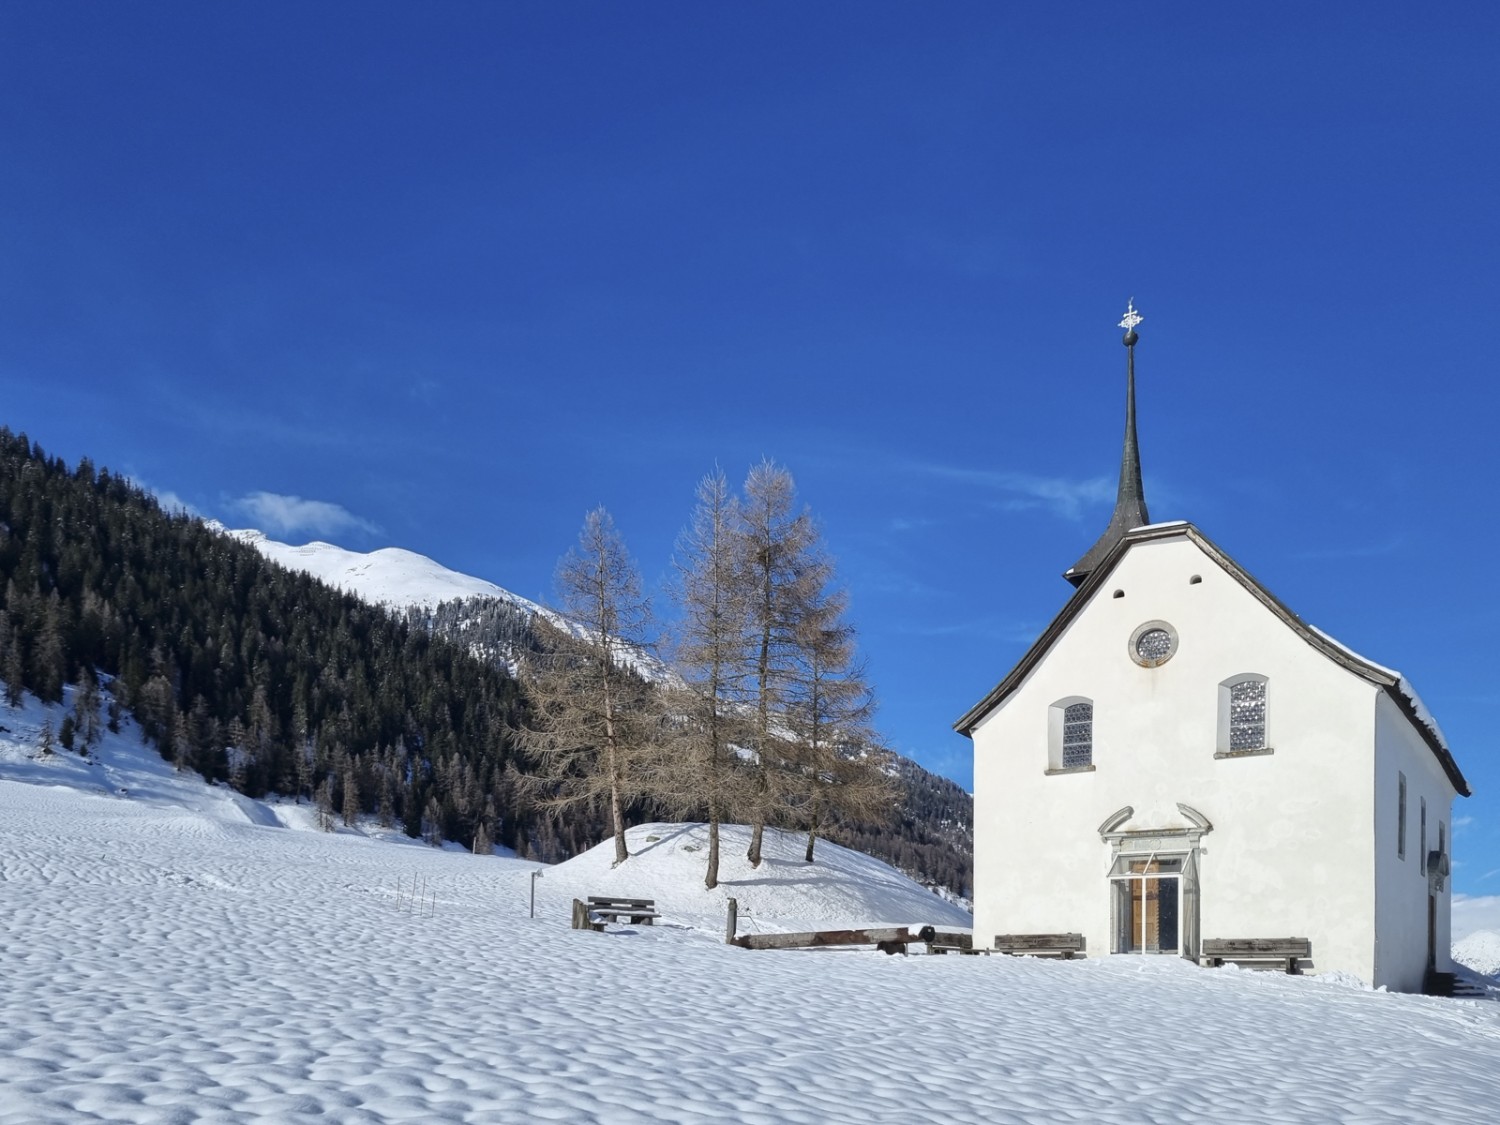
(1130, 504)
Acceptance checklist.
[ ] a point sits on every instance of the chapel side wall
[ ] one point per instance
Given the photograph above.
(1293, 831)
(1401, 887)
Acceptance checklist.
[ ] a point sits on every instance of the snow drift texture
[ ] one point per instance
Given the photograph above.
(175, 953)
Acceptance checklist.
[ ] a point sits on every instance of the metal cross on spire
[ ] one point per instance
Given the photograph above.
(1130, 504)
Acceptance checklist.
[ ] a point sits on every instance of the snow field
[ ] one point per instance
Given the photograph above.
(179, 956)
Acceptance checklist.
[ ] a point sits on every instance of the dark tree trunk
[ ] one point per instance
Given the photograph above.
(711, 879)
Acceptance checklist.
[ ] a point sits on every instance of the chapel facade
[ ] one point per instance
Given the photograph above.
(1179, 758)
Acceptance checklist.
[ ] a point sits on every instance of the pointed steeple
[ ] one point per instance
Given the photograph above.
(1130, 504)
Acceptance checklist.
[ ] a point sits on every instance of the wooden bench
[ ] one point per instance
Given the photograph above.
(636, 911)
(1288, 951)
(950, 942)
(1040, 945)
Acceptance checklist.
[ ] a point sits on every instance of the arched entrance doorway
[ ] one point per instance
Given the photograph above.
(1153, 884)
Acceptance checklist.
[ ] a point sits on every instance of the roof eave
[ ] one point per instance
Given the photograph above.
(1434, 743)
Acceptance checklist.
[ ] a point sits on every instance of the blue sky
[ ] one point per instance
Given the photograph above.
(451, 274)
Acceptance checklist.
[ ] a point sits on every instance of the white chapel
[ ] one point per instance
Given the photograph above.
(1180, 764)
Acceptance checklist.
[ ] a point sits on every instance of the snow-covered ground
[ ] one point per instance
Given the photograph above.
(176, 953)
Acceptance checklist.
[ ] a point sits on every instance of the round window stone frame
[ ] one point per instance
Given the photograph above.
(1141, 631)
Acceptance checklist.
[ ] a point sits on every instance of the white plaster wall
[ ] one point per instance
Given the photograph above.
(1290, 853)
(1400, 886)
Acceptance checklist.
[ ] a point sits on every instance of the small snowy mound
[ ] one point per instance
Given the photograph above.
(1480, 952)
(839, 889)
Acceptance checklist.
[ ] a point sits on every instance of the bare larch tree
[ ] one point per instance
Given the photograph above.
(778, 549)
(711, 653)
(591, 724)
(836, 764)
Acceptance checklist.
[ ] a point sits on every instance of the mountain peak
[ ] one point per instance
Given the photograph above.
(390, 576)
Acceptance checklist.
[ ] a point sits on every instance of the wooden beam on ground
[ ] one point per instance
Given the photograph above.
(889, 938)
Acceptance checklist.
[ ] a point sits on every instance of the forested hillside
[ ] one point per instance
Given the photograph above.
(930, 836)
(271, 681)
(243, 670)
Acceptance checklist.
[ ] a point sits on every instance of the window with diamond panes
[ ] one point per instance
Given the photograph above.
(1247, 715)
(1078, 735)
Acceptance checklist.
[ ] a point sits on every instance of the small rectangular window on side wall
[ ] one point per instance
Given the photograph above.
(1422, 840)
(1400, 816)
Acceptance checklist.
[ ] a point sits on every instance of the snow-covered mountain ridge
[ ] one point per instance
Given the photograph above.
(403, 580)
(1480, 952)
(390, 576)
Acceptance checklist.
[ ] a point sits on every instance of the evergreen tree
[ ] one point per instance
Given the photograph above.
(386, 809)
(7, 655)
(46, 740)
(239, 757)
(324, 799)
(15, 674)
(306, 764)
(182, 743)
(432, 823)
(351, 806)
(157, 709)
(86, 709)
(50, 660)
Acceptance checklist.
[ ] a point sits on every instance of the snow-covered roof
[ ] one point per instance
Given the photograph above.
(1403, 685)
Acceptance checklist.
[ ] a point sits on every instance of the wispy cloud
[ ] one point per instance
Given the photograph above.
(1462, 822)
(169, 500)
(1022, 491)
(292, 515)
(989, 628)
(904, 523)
(175, 504)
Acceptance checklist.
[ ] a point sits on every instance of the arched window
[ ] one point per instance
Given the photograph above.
(1071, 734)
(1242, 715)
